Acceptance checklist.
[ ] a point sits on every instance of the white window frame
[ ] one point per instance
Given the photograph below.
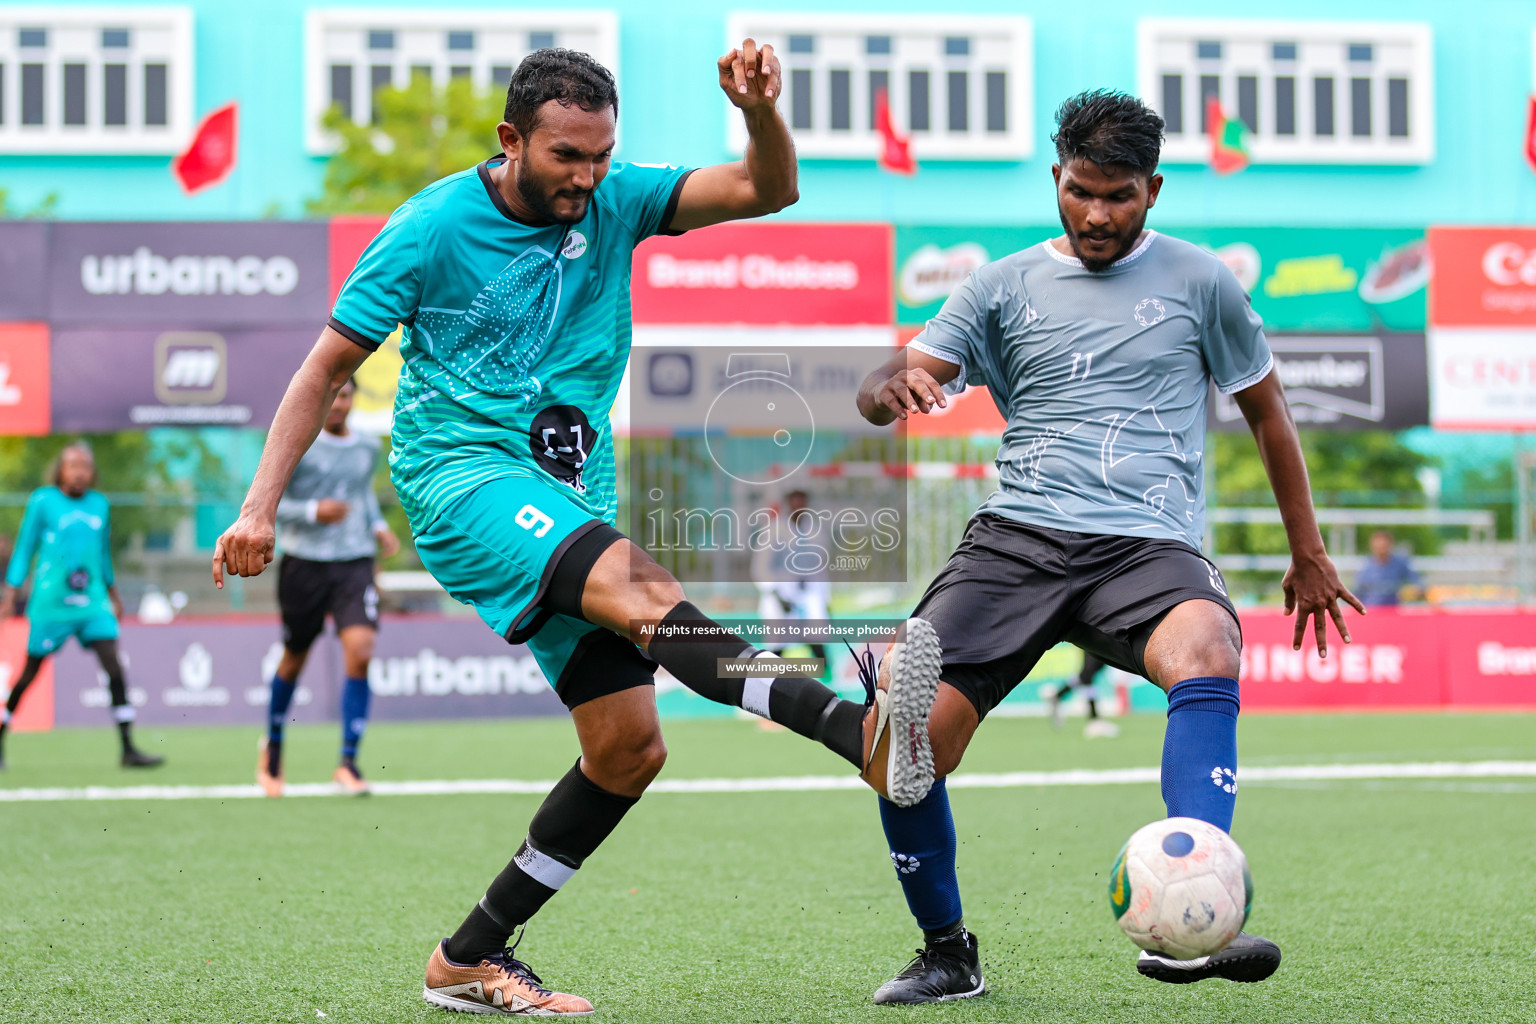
(53, 136)
(1304, 147)
(860, 141)
(317, 86)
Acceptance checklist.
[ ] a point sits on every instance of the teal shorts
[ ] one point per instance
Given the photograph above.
(495, 549)
(46, 636)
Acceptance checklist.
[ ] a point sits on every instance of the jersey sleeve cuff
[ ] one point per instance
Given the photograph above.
(1250, 380)
(955, 386)
(354, 337)
(671, 210)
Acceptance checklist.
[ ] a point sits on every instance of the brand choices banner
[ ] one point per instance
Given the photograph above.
(1482, 333)
(773, 273)
(217, 673)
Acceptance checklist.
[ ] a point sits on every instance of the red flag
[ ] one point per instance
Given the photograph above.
(895, 151)
(1530, 134)
(1229, 139)
(211, 155)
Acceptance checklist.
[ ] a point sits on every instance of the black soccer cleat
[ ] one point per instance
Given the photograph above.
(138, 759)
(940, 973)
(1245, 958)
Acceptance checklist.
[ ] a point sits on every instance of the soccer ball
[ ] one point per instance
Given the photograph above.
(1180, 887)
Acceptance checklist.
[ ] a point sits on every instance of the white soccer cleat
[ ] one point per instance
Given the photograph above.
(897, 722)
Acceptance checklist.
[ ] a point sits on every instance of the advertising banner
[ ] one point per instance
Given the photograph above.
(1345, 382)
(1483, 276)
(207, 673)
(25, 404)
(1482, 378)
(23, 270)
(1300, 279)
(196, 275)
(135, 378)
(1401, 659)
(1491, 659)
(766, 274)
(1394, 662)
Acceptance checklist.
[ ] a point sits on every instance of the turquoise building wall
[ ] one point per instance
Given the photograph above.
(672, 111)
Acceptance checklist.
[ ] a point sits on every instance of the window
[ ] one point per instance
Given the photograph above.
(354, 52)
(960, 86)
(1308, 92)
(93, 80)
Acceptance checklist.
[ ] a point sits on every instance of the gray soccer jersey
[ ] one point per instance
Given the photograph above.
(1102, 379)
(340, 468)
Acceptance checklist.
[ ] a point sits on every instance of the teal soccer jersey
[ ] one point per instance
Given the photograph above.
(69, 538)
(515, 336)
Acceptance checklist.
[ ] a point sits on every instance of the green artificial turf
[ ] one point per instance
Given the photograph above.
(1394, 901)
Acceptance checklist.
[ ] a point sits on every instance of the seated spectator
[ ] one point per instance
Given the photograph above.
(1387, 577)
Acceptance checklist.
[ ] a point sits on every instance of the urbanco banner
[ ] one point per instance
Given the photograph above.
(217, 672)
(199, 275)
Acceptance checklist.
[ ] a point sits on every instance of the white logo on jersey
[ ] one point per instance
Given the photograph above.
(575, 246)
(1217, 582)
(1030, 316)
(1149, 312)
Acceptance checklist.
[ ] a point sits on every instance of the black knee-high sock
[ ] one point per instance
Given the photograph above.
(573, 820)
(689, 644)
(117, 686)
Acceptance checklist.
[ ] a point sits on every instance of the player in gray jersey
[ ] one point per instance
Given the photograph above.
(1099, 348)
(329, 527)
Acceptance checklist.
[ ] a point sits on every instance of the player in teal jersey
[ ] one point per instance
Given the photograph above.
(67, 528)
(511, 281)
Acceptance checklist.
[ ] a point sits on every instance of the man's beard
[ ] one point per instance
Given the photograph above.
(1099, 264)
(542, 204)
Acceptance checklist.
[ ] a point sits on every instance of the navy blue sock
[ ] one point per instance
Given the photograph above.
(277, 707)
(922, 842)
(354, 714)
(1200, 750)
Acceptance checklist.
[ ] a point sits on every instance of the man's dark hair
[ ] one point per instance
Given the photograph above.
(556, 73)
(1110, 129)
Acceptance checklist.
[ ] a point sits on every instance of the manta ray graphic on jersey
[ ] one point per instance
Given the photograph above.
(493, 345)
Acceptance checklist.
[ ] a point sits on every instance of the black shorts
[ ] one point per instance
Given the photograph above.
(308, 591)
(1011, 592)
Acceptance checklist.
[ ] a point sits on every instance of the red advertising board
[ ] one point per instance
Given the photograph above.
(1401, 659)
(25, 399)
(350, 235)
(766, 274)
(1393, 663)
(969, 413)
(35, 713)
(1482, 277)
(1490, 659)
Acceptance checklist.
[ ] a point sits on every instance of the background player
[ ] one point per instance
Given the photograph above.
(1099, 347)
(788, 591)
(67, 527)
(329, 528)
(1096, 728)
(512, 281)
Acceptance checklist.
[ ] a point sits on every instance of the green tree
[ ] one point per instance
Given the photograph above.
(1363, 469)
(421, 133)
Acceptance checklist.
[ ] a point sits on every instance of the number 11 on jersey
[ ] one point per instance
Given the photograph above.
(1087, 363)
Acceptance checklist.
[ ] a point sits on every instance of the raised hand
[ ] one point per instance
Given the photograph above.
(749, 76)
